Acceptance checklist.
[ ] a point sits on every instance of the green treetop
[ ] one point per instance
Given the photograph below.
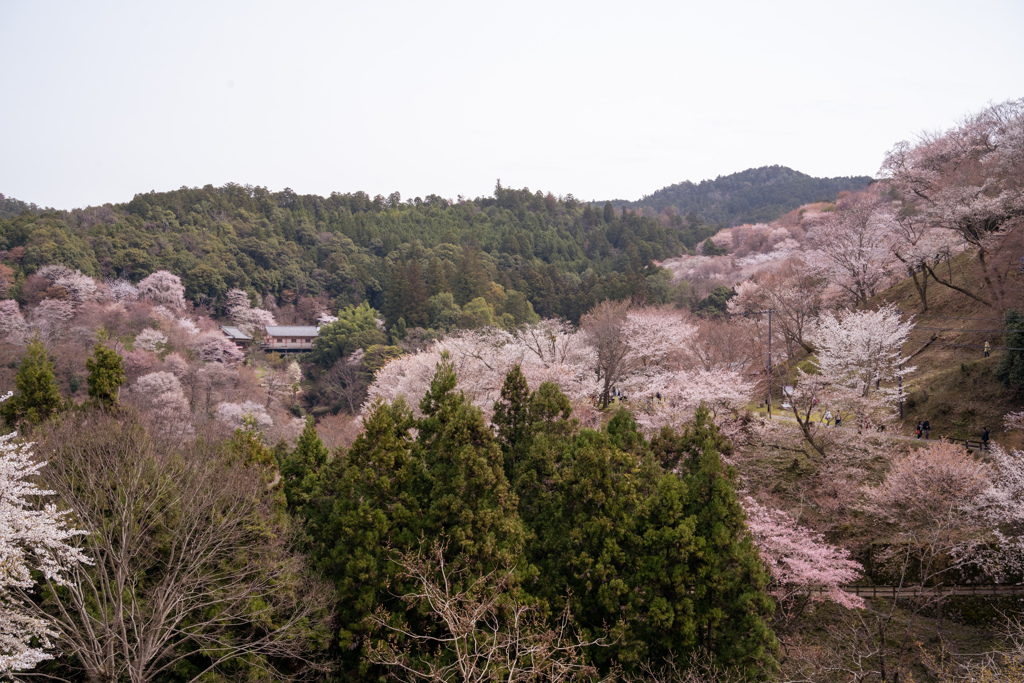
(106, 375)
(37, 394)
(355, 328)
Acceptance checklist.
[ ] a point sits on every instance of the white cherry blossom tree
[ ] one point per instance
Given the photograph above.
(31, 540)
(163, 288)
(246, 318)
(13, 328)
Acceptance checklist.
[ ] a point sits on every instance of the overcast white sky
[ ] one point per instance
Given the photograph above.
(101, 100)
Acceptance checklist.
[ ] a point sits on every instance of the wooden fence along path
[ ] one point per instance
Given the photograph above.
(918, 591)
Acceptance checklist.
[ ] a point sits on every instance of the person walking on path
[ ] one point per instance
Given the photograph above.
(926, 427)
(839, 419)
(828, 418)
(917, 432)
(984, 439)
(988, 349)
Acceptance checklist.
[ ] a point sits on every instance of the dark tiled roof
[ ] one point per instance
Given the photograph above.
(235, 333)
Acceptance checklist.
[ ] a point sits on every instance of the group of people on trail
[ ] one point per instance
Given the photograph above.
(827, 419)
(924, 428)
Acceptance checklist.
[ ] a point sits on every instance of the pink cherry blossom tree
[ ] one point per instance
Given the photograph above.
(32, 539)
(51, 317)
(13, 328)
(175, 364)
(80, 288)
(854, 246)
(150, 340)
(237, 415)
(122, 291)
(968, 180)
(162, 403)
(928, 508)
(662, 378)
(860, 350)
(214, 347)
(794, 291)
(1014, 420)
(548, 351)
(163, 288)
(248, 319)
(859, 362)
(800, 561)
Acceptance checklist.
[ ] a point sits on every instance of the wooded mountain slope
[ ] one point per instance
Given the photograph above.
(756, 195)
(556, 254)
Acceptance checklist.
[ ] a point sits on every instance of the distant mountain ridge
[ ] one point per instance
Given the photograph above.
(10, 207)
(757, 195)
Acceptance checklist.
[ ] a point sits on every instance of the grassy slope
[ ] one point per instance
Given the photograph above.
(954, 387)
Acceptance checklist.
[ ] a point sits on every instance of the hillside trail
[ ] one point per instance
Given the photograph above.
(892, 436)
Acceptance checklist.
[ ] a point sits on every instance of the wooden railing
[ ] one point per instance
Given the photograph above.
(894, 592)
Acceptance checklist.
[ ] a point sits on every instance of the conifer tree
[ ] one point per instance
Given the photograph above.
(1011, 366)
(415, 304)
(303, 465)
(465, 492)
(38, 396)
(106, 375)
(521, 416)
(512, 417)
(358, 507)
(730, 601)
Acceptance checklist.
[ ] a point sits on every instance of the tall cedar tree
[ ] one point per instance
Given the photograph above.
(659, 558)
(358, 507)
(467, 495)
(106, 375)
(37, 395)
(729, 599)
(415, 304)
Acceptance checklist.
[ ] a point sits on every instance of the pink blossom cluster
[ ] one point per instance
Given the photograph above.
(549, 351)
(238, 415)
(246, 318)
(163, 288)
(799, 560)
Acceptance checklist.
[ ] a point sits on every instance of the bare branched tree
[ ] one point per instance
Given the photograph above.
(348, 380)
(481, 631)
(603, 327)
(192, 561)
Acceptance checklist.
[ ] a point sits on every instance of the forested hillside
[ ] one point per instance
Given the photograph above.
(509, 251)
(9, 206)
(757, 195)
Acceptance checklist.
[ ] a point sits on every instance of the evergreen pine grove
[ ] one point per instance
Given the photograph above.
(644, 540)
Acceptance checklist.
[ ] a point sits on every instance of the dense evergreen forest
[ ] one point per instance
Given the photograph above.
(757, 195)
(508, 257)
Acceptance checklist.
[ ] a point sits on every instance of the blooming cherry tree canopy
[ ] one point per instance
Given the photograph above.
(31, 540)
(800, 560)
